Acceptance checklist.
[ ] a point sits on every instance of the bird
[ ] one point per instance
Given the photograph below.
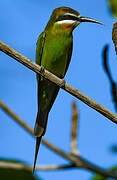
(53, 53)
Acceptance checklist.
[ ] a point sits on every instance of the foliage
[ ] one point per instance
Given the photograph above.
(99, 177)
(9, 170)
(113, 7)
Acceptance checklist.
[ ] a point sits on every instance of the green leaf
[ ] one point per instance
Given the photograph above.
(113, 7)
(114, 148)
(99, 177)
(11, 170)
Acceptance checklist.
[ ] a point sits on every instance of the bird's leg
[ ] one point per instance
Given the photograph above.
(62, 84)
(42, 70)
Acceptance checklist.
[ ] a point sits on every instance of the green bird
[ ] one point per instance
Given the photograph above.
(53, 52)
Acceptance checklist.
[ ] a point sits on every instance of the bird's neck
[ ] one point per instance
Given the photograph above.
(58, 29)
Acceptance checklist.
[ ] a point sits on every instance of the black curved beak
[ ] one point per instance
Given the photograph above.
(87, 19)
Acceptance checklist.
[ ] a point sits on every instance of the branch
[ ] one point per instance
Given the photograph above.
(109, 75)
(74, 129)
(67, 87)
(54, 167)
(13, 165)
(7, 110)
(77, 161)
(21, 166)
(114, 36)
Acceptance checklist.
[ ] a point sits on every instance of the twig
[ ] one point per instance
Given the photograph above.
(109, 75)
(19, 165)
(114, 36)
(7, 110)
(74, 129)
(13, 165)
(46, 74)
(54, 167)
(77, 161)
(105, 62)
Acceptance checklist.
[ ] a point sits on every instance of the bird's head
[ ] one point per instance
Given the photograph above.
(68, 18)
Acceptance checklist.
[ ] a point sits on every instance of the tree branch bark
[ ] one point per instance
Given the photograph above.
(67, 87)
(77, 161)
(21, 166)
(74, 129)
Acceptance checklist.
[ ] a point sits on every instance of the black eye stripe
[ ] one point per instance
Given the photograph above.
(67, 17)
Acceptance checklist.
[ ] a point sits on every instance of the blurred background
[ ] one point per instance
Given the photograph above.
(21, 22)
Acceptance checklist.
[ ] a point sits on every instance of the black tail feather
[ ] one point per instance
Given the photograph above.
(38, 140)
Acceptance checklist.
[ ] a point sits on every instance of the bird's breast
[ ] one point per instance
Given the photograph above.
(57, 53)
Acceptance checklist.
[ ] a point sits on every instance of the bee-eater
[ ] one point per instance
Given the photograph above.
(53, 52)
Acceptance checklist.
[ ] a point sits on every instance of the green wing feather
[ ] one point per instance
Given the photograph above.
(47, 92)
(52, 55)
(39, 49)
(39, 52)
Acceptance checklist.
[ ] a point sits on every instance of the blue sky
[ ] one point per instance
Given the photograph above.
(21, 23)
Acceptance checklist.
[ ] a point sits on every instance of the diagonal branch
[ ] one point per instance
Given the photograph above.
(77, 161)
(67, 87)
(17, 119)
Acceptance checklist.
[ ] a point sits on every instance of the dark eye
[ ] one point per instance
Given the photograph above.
(67, 17)
(63, 17)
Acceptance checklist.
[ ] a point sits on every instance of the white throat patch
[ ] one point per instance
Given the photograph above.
(66, 22)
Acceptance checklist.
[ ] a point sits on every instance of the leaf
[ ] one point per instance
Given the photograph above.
(114, 148)
(99, 177)
(113, 7)
(15, 170)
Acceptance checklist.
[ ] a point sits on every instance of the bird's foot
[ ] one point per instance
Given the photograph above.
(63, 82)
(42, 70)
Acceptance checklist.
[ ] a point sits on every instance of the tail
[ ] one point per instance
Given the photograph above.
(38, 140)
(39, 131)
(40, 124)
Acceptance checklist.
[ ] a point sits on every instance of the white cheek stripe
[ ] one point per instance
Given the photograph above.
(66, 22)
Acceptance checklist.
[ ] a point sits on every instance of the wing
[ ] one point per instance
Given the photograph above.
(39, 49)
(69, 56)
(39, 52)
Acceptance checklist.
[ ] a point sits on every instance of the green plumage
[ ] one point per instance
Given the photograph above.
(53, 52)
